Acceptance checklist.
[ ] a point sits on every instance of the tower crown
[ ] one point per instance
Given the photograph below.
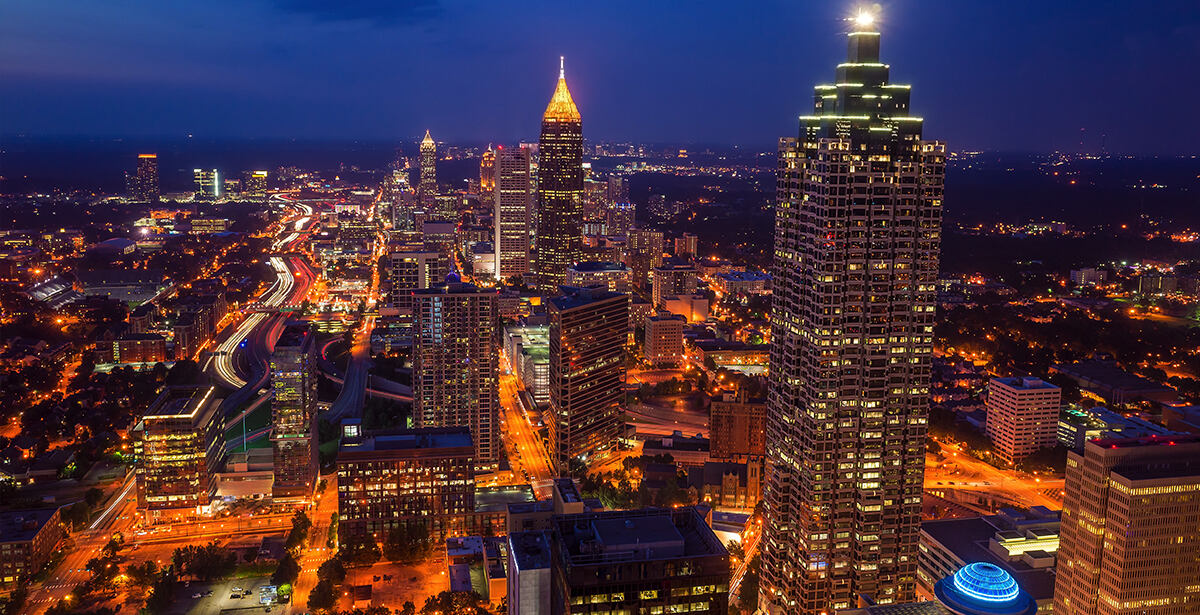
(428, 140)
(562, 108)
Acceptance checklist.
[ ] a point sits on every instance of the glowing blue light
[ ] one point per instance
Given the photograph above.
(986, 582)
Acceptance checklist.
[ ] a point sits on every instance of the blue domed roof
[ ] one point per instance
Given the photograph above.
(982, 588)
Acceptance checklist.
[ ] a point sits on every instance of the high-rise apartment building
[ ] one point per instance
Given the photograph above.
(673, 278)
(294, 379)
(143, 185)
(1130, 530)
(618, 189)
(687, 246)
(427, 190)
(454, 365)
(588, 329)
(1022, 416)
(208, 183)
(559, 189)
(513, 218)
(178, 444)
(621, 218)
(857, 234)
(737, 428)
(645, 252)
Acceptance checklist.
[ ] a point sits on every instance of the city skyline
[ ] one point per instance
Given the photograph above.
(690, 87)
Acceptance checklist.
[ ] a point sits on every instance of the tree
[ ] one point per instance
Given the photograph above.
(359, 551)
(407, 543)
(163, 592)
(323, 597)
(298, 535)
(409, 608)
(286, 572)
(454, 603)
(748, 592)
(332, 570)
(93, 497)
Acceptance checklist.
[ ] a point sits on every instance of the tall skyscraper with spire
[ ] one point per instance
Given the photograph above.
(559, 188)
(857, 236)
(427, 189)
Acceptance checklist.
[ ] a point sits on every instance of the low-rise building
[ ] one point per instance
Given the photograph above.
(28, 539)
(743, 282)
(613, 276)
(1076, 426)
(1022, 543)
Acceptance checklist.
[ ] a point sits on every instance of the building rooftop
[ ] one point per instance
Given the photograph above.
(1026, 384)
(635, 535)
(410, 439)
(969, 540)
(745, 276)
(498, 499)
(530, 550)
(599, 266)
(184, 402)
(574, 297)
(23, 525)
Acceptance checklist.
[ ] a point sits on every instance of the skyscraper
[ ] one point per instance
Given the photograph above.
(294, 413)
(208, 183)
(1129, 534)
(428, 188)
(559, 188)
(487, 174)
(454, 365)
(857, 232)
(143, 186)
(514, 211)
(588, 330)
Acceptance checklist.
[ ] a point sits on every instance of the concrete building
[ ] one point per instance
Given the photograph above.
(178, 444)
(644, 252)
(613, 277)
(390, 478)
(455, 366)
(672, 278)
(621, 217)
(143, 186)
(427, 189)
(560, 189)
(1089, 276)
(1130, 533)
(743, 283)
(663, 344)
(1022, 416)
(207, 182)
(637, 561)
(737, 428)
(28, 539)
(527, 349)
(294, 379)
(687, 246)
(588, 329)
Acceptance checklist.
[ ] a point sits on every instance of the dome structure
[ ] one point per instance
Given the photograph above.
(982, 588)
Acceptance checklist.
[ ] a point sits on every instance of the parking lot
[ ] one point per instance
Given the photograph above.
(220, 600)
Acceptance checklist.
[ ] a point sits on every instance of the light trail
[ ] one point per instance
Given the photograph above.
(119, 500)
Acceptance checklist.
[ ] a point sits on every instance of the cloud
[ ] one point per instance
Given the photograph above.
(374, 12)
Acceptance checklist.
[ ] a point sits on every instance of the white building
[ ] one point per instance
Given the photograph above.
(1022, 416)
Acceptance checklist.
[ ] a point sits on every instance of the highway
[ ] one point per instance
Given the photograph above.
(955, 475)
(349, 402)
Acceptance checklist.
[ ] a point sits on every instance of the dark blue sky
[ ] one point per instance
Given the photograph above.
(1012, 75)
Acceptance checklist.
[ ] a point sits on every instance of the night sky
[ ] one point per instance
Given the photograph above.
(986, 74)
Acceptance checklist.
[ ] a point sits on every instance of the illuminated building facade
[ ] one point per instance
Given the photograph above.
(254, 183)
(1129, 534)
(392, 478)
(428, 188)
(143, 186)
(177, 445)
(455, 362)
(207, 182)
(294, 413)
(672, 278)
(620, 218)
(514, 211)
(588, 330)
(559, 189)
(857, 235)
(487, 174)
(1022, 416)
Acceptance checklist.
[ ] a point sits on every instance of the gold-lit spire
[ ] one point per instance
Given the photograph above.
(428, 140)
(562, 107)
